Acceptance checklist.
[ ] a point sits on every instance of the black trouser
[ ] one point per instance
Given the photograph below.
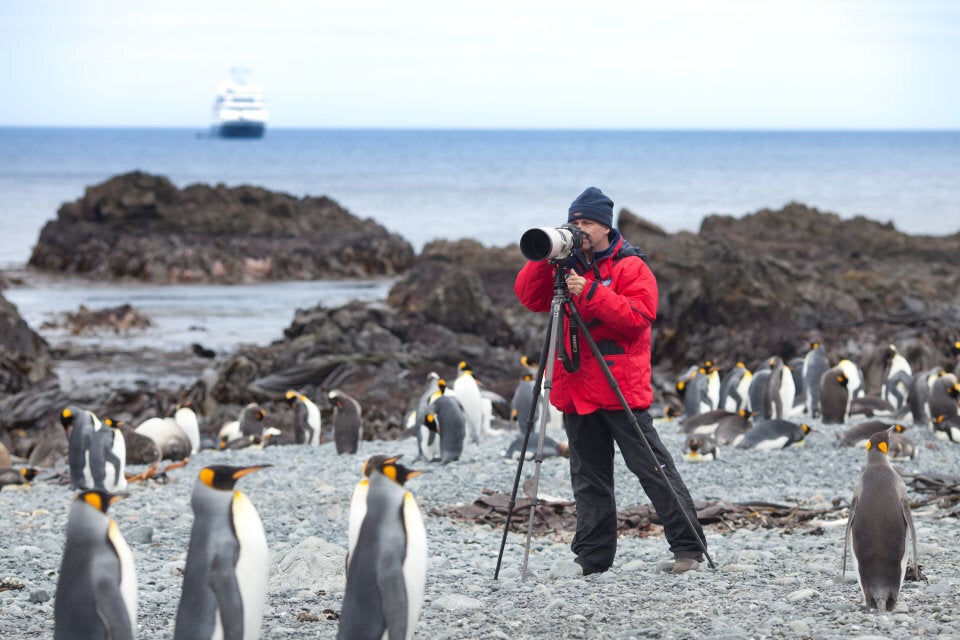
(591, 439)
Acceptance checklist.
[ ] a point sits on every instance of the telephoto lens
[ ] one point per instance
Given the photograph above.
(550, 243)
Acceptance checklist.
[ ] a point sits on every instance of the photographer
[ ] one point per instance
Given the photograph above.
(616, 295)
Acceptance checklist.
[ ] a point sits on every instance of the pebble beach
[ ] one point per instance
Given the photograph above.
(767, 582)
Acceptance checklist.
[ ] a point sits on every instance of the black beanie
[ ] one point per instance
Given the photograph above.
(593, 205)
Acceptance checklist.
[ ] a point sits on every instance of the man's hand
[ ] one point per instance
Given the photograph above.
(576, 283)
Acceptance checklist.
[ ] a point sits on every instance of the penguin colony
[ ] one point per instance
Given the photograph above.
(227, 562)
(767, 412)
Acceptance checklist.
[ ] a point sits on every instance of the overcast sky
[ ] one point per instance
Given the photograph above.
(638, 64)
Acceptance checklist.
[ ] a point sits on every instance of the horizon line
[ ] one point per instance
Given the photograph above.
(206, 129)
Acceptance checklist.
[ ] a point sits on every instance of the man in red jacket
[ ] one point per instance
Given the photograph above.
(616, 295)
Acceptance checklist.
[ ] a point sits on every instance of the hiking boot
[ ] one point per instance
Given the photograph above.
(682, 565)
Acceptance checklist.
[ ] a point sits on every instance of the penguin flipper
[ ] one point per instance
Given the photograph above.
(223, 582)
(112, 610)
(846, 537)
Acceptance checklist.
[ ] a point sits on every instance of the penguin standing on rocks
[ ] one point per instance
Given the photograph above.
(108, 458)
(896, 379)
(694, 388)
(81, 425)
(522, 402)
(448, 419)
(96, 593)
(467, 390)
(919, 396)
(780, 391)
(387, 557)
(347, 422)
(306, 418)
(839, 385)
(225, 578)
(735, 389)
(815, 363)
(878, 526)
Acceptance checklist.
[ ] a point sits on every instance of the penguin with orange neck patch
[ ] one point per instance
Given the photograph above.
(387, 558)
(878, 527)
(97, 588)
(225, 578)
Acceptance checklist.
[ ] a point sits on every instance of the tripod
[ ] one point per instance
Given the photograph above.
(561, 300)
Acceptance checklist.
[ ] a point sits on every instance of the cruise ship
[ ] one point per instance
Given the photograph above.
(239, 110)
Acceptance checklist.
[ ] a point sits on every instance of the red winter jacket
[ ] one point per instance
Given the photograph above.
(618, 309)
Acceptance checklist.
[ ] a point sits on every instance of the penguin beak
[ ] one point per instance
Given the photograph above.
(239, 473)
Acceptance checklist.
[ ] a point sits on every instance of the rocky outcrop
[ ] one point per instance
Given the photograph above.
(24, 355)
(455, 304)
(141, 226)
(765, 284)
(740, 289)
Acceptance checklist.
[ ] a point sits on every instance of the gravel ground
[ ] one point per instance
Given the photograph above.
(767, 582)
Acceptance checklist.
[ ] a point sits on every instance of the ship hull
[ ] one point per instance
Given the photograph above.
(240, 130)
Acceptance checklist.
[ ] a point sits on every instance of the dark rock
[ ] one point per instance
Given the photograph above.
(740, 289)
(141, 226)
(764, 284)
(24, 355)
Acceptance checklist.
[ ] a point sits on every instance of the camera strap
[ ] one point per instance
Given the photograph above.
(571, 360)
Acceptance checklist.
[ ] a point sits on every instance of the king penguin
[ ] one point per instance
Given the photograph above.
(735, 388)
(878, 526)
(96, 593)
(108, 458)
(700, 448)
(347, 422)
(766, 435)
(306, 418)
(944, 392)
(387, 558)
(523, 401)
(247, 424)
(467, 390)
(834, 396)
(17, 477)
(815, 363)
(225, 578)
(448, 419)
(859, 434)
(80, 425)
(897, 377)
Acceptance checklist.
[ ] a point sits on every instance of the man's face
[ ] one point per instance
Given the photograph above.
(595, 234)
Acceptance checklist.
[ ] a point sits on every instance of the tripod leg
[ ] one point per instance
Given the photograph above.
(545, 363)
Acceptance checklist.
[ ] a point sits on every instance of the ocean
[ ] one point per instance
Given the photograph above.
(493, 185)
(487, 185)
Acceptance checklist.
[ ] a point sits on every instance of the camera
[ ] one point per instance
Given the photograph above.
(550, 243)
